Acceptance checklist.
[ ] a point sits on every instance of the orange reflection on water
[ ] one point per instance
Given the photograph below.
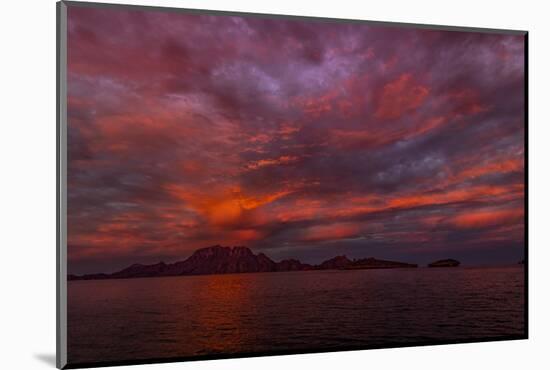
(218, 313)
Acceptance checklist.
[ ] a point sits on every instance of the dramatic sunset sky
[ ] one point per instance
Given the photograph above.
(303, 139)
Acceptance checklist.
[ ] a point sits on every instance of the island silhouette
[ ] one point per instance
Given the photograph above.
(445, 263)
(229, 260)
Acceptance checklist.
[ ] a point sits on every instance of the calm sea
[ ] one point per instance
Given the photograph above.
(133, 319)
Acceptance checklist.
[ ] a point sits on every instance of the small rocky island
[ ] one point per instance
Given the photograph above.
(373, 263)
(227, 260)
(445, 263)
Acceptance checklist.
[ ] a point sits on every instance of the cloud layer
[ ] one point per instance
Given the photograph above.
(296, 138)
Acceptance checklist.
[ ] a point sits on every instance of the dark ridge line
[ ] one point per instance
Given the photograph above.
(227, 260)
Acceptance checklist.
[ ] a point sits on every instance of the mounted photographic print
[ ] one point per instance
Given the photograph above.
(234, 185)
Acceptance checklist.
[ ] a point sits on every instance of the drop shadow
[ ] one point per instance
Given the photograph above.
(47, 358)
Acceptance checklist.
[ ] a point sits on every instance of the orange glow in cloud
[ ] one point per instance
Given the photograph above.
(222, 207)
(285, 159)
(447, 197)
(331, 232)
(300, 209)
(304, 209)
(287, 130)
(223, 212)
(247, 235)
(351, 139)
(281, 136)
(485, 218)
(250, 203)
(510, 165)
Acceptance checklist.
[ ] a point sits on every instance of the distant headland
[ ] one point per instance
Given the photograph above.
(445, 263)
(228, 260)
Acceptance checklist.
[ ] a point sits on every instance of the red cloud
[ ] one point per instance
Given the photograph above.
(224, 206)
(509, 165)
(466, 102)
(285, 159)
(460, 195)
(400, 96)
(487, 218)
(177, 142)
(331, 232)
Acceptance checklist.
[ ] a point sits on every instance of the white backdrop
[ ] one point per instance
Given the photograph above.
(27, 203)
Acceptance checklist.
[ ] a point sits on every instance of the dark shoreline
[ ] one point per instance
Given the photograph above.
(423, 268)
(224, 260)
(218, 260)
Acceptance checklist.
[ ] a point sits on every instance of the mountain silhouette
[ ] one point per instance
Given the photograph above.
(230, 260)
